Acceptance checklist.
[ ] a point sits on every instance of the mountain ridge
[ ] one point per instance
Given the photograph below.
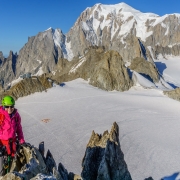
(115, 27)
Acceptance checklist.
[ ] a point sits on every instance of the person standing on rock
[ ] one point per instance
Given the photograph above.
(10, 131)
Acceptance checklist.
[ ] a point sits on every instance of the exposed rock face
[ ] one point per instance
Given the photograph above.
(142, 66)
(7, 68)
(103, 158)
(28, 86)
(41, 53)
(105, 70)
(174, 94)
(1, 57)
(110, 73)
(107, 32)
(165, 37)
(31, 164)
(117, 27)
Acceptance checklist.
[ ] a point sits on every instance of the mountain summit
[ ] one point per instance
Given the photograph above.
(116, 27)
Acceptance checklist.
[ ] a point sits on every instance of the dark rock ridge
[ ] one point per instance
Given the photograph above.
(103, 159)
(28, 86)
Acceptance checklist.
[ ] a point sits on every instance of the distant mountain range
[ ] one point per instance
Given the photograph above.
(116, 27)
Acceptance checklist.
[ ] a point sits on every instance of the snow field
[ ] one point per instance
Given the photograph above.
(148, 121)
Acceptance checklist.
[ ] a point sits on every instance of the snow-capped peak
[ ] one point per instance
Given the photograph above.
(50, 28)
(119, 7)
(114, 16)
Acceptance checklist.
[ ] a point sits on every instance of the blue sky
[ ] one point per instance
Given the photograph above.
(20, 19)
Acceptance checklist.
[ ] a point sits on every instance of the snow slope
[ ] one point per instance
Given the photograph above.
(120, 18)
(170, 68)
(64, 118)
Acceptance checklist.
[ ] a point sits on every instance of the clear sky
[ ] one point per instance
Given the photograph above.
(20, 19)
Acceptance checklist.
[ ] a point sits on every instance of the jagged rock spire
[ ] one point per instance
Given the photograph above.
(103, 159)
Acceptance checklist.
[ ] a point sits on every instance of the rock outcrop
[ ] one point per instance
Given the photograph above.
(7, 68)
(103, 159)
(31, 164)
(142, 66)
(174, 94)
(105, 70)
(40, 53)
(28, 86)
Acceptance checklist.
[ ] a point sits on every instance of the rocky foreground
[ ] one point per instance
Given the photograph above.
(103, 160)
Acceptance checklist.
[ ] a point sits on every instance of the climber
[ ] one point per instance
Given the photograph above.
(10, 132)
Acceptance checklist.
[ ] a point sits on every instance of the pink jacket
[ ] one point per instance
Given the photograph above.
(10, 127)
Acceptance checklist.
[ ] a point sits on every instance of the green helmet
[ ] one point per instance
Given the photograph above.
(8, 100)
